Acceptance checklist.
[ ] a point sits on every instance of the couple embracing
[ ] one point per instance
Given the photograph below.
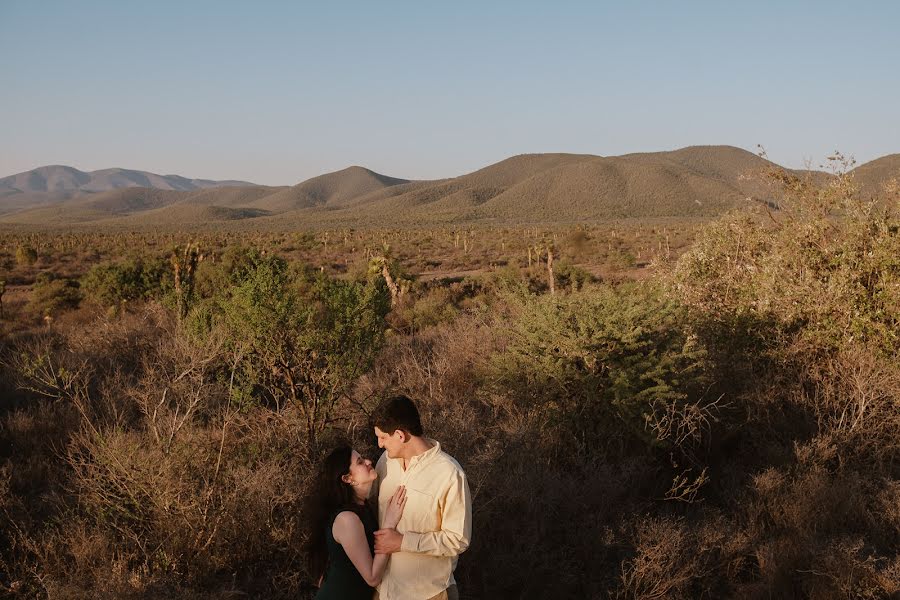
(399, 526)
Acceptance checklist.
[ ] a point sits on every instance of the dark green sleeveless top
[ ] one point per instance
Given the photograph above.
(342, 580)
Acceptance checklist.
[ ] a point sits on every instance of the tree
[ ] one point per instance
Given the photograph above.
(304, 342)
(387, 267)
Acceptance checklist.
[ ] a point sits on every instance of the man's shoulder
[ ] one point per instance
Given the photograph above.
(444, 461)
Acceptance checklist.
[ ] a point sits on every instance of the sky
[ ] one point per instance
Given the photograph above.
(277, 92)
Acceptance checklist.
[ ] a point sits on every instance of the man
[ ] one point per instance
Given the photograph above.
(436, 526)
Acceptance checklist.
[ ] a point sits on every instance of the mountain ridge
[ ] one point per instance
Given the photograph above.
(690, 182)
(66, 179)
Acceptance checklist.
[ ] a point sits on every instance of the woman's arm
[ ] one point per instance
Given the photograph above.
(349, 532)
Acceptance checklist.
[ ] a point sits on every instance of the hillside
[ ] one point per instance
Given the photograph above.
(693, 182)
(871, 175)
(59, 178)
(328, 190)
(700, 181)
(148, 207)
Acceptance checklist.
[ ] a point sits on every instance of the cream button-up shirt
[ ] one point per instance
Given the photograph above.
(436, 523)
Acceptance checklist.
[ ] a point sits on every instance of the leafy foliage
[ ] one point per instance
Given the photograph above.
(603, 358)
(303, 343)
(824, 270)
(52, 294)
(114, 283)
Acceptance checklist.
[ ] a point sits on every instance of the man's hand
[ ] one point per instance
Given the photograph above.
(387, 541)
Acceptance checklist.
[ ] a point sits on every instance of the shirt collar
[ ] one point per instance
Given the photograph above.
(421, 459)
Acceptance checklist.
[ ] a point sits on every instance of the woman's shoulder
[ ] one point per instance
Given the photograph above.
(346, 519)
(346, 523)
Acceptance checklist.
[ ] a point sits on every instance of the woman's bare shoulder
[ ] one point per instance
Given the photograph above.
(346, 523)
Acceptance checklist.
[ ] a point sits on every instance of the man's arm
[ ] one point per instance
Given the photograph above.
(456, 526)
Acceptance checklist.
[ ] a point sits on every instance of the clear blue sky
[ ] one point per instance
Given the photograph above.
(276, 92)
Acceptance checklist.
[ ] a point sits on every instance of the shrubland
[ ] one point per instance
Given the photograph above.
(724, 424)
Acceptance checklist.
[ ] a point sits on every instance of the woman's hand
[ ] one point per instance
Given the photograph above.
(395, 509)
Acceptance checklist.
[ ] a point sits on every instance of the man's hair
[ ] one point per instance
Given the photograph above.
(398, 412)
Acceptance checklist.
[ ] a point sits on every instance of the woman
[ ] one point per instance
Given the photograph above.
(342, 541)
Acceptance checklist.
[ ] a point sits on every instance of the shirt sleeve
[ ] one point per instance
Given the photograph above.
(456, 524)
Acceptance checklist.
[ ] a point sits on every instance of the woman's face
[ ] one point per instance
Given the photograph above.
(361, 470)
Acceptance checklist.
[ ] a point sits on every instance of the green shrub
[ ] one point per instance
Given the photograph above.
(304, 343)
(112, 284)
(50, 295)
(604, 361)
(215, 276)
(434, 306)
(570, 277)
(26, 255)
(824, 270)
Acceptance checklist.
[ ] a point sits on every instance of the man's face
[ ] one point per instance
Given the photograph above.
(391, 442)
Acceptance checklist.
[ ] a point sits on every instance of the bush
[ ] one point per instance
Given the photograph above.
(825, 269)
(435, 305)
(51, 295)
(303, 345)
(808, 295)
(26, 255)
(114, 284)
(570, 277)
(607, 361)
(214, 276)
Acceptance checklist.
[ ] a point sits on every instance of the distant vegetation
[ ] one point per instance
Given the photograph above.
(645, 409)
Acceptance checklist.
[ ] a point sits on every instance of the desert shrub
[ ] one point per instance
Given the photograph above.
(163, 486)
(673, 559)
(304, 345)
(216, 275)
(433, 306)
(854, 396)
(115, 283)
(806, 525)
(26, 255)
(621, 258)
(825, 270)
(51, 295)
(576, 243)
(607, 361)
(799, 305)
(570, 277)
(808, 297)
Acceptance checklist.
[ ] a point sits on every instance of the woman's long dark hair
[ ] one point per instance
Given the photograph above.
(330, 495)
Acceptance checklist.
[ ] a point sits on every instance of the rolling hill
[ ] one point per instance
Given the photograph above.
(328, 190)
(699, 181)
(154, 205)
(59, 178)
(693, 182)
(872, 175)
